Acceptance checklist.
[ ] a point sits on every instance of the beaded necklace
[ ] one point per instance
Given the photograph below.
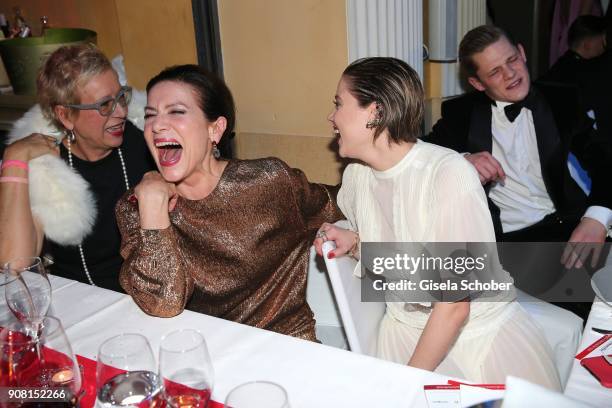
(127, 187)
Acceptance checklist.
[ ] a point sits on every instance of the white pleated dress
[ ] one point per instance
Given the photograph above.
(434, 195)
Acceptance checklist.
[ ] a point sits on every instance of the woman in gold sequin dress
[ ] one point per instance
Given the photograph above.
(225, 238)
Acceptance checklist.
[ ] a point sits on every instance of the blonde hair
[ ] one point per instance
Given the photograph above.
(397, 91)
(64, 71)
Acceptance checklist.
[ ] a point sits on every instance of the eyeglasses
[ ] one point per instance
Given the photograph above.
(107, 106)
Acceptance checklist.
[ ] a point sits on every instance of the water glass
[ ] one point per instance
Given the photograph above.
(258, 394)
(185, 369)
(27, 289)
(125, 372)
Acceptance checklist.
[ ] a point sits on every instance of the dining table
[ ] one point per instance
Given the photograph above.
(582, 385)
(313, 374)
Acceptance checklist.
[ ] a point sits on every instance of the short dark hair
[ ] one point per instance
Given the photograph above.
(397, 91)
(214, 97)
(584, 27)
(475, 41)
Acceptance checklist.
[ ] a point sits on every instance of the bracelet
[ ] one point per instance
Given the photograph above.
(11, 179)
(14, 163)
(354, 251)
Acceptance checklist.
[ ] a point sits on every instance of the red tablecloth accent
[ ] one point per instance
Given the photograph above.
(89, 384)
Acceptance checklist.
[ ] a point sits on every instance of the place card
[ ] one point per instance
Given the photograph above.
(596, 344)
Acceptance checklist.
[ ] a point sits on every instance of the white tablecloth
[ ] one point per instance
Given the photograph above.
(581, 384)
(314, 375)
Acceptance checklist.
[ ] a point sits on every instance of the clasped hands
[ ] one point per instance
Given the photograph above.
(586, 239)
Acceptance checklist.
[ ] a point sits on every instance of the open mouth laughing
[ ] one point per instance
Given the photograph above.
(116, 130)
(336, 130)
(168, 151)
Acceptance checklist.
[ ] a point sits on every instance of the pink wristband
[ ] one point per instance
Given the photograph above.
(11, 179)
(14, 163)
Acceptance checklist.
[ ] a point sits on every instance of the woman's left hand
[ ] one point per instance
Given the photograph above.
(344, 239)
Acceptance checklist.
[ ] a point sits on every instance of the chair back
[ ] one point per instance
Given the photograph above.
(360, 319)
(320, 298)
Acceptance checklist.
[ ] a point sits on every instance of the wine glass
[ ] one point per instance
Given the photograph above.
(125, 372)
(27, 289)
(41, 359)
(185, 369)
(258, 394)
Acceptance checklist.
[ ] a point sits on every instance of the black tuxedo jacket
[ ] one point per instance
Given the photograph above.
(561, 127)
(596, 85)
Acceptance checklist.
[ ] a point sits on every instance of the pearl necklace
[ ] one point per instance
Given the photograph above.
(127, 187)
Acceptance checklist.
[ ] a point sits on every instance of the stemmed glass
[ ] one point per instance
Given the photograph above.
(27, 289)
(185, 369)
(125, 372)
(258, 394)
(41, 359)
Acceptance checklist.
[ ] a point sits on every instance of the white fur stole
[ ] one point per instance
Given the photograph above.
(59, 197)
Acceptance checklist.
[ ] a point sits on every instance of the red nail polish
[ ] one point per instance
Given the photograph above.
(132, 199)
(331, 255)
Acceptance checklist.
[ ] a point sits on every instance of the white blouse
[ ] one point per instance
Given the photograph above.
(432, 195)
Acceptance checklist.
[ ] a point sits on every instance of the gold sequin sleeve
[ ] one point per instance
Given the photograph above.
(240, 254)
(317, 202)
(153, 271)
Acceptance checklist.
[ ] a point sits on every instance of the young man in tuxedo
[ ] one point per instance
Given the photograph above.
(518, 137)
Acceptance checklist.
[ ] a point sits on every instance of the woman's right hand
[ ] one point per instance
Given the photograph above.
(31, 147)
(156, 198)
(344, 239)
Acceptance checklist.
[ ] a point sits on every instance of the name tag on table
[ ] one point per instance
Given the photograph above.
(601, 342)
(597, 360)
(459, 395)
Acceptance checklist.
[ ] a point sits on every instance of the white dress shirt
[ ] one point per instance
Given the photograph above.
(523, 199)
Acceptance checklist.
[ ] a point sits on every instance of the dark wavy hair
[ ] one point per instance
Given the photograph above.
(214, 97)
(397, 91)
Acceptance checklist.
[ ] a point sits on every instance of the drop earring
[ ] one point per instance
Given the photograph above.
(70, 135)
(215, 150)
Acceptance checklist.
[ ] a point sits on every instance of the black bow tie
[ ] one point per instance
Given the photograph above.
(512, 111)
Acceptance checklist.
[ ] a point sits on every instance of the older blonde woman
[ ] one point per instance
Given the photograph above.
(59, 192)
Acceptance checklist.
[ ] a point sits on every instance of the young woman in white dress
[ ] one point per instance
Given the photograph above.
(405, 190)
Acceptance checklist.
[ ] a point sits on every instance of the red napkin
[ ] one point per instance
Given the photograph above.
(20, 363)
(89, 384)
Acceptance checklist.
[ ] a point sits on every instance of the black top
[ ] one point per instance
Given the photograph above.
(597, 88)
(106, 181)
(569, 69)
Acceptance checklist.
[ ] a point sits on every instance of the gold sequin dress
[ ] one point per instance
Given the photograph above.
(240, 254)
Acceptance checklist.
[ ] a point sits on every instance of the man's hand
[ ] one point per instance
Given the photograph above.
(588, 237)
(487, 166)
